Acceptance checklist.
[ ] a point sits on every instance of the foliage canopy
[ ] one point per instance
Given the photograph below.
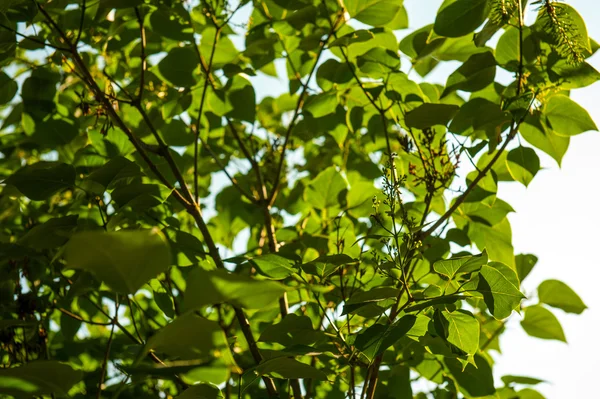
(171, 226)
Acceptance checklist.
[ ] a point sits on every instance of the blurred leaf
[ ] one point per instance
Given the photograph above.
(41, 377)
(42, 179)
(124, 260)
(218, 286)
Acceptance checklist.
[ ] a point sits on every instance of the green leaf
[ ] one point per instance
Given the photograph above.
(460, 17)
(120, 4)
(43, 179)
(274, 266)
(559, 295)
(225, 51)
(516, 379)
(292, 330)
(465, 264)
(178, 66)
(326, 190)
(201, 391)
(171, 26)
(544, 138)
(428, 115)
(376, 339)
(357, 36)
(40, 377)
(51, 234)
(140, 197)
(373, 12)
(176, 133)
(55, 132)
(573, 76)
(462, 330)
(358, 300)
(523, 164)
(242, 98)
(164, 302)
(321, 104)
(324, 266)
(378, 62)
(539, 322)
(8, 88)
(529, 393)
(567, 118)
(125, 260)
(191, 336)
(500, 295)
(218, 286)
(114, 170)
(287, 368)
(476, 380)
(569, 36)
(495, 239)
(524, 264)
(69, 326)
(474, 74)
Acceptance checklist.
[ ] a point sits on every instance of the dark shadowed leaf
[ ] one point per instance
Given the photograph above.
(428, 115)
(201, 391)
(285, 367)
(191, 337)
(53, 233)
(41, 377)
(474, 74)
(179, 65)
(40, 180)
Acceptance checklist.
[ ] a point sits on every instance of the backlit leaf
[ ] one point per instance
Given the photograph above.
(559, 295)
(539, 322)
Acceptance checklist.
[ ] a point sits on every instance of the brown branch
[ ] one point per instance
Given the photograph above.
(81, 319)
(99, 94)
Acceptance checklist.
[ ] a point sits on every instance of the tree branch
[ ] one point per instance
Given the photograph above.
(35, 40)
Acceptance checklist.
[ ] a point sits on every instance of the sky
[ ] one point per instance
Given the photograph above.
(556, 219)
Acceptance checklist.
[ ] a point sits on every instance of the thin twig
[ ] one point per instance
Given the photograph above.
(35, 40)
(83, 8)
(107, 351)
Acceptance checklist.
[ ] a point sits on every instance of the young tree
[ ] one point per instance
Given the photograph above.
(166, 234)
